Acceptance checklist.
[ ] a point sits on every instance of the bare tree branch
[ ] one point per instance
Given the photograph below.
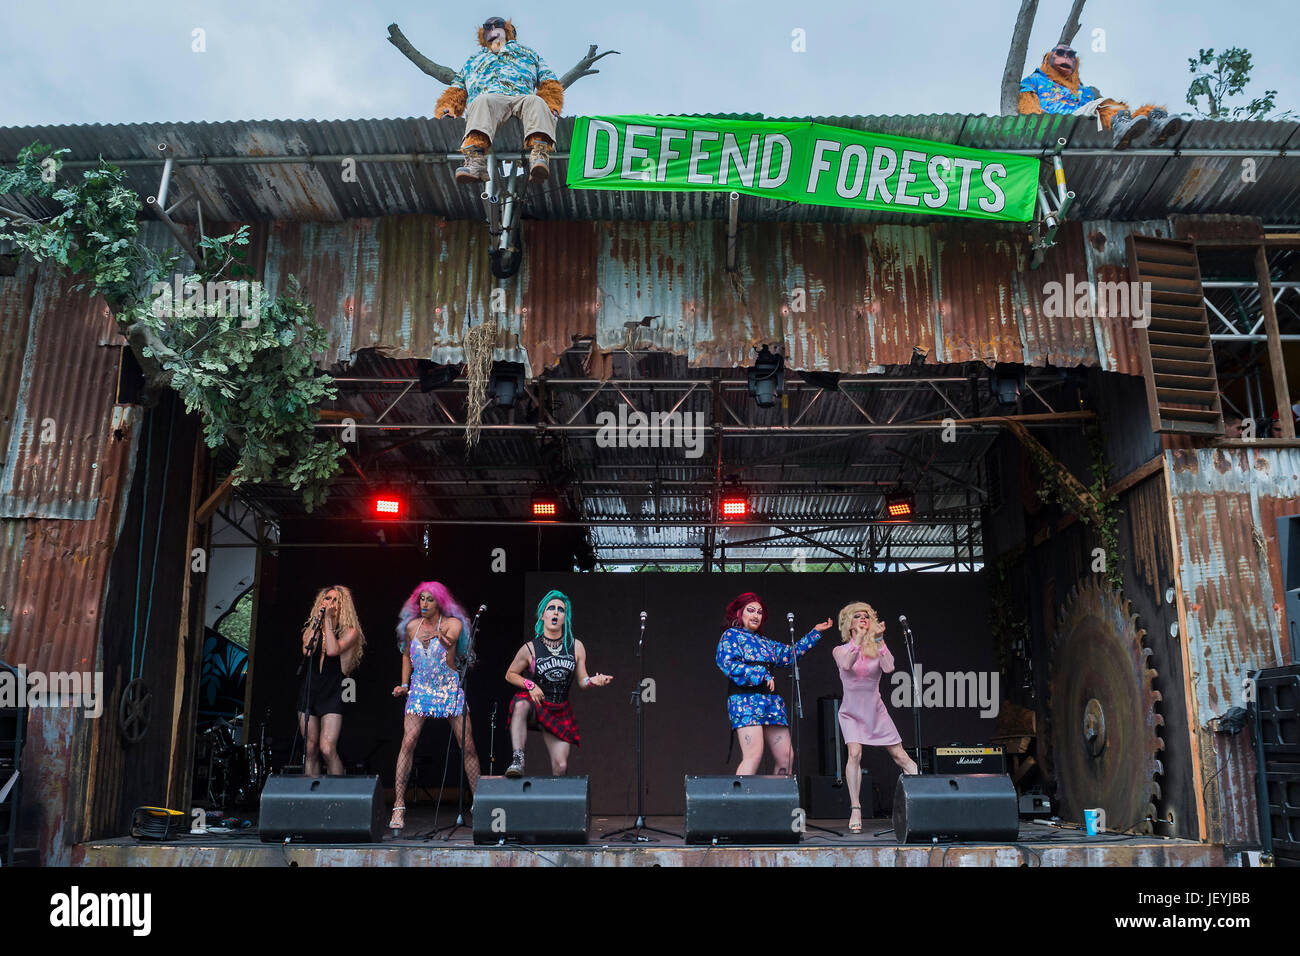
(445, 74)
(442, 74)
(1015, 67)
(582, 67)
(1071, 27)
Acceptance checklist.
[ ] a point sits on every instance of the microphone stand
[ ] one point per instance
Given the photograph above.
(304, 725)
(462, 669)
(633, 833)
(492, 742)
(798, 719)
(916, 694)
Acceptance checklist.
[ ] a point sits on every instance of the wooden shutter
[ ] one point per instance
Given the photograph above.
(1177, 356)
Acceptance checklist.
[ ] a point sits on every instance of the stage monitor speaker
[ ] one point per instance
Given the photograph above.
(977, 806)
(321, 809)
(738, 810)
(538, 810)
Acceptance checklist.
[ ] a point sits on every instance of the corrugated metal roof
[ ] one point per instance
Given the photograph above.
(1113, 186)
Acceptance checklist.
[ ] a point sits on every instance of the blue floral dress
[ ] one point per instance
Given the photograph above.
(742, 656)
(435, 688)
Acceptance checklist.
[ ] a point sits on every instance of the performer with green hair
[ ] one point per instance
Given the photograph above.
(553, 658)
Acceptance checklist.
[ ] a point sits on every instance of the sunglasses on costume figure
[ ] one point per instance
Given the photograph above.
(1065, 52)
(494, 23)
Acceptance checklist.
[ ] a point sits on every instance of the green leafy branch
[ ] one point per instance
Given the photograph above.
(252, 379)
(1218, 76)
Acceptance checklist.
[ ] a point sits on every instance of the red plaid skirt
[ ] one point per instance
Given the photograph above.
(555, 719)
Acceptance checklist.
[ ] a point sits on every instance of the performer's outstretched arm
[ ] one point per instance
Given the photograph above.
(596, 680)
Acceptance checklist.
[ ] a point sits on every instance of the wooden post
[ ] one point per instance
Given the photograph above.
(1277, 366)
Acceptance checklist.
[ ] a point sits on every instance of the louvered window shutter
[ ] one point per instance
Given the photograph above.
(1177, 357)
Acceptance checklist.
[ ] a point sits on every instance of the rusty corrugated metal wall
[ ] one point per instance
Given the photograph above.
(1225, 503)
(843, 297)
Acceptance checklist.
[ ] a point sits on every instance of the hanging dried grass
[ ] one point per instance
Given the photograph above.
(480, 341)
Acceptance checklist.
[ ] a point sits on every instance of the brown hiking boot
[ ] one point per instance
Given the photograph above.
(474, 169)
(539, 162)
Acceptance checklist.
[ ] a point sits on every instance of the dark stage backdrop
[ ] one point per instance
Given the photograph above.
(686, 728)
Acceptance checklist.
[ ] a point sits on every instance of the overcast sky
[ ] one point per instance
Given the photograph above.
(72, 61)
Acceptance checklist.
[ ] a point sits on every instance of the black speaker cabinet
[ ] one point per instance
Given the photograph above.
(738, 810)
(542, 810)
(976, 806)
(321, 809)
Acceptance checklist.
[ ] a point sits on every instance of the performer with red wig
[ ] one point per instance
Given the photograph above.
(757, 712)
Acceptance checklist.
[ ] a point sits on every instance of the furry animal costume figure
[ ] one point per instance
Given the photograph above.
(1055, 88)
(504, 78)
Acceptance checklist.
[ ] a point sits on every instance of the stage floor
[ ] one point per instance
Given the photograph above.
(833, 845)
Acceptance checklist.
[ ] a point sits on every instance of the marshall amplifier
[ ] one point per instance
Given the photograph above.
(968, 760)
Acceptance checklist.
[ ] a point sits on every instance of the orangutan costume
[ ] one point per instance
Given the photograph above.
(503, 79)
(1055, 88)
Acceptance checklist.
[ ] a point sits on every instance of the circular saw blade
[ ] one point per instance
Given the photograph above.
(1103, 712)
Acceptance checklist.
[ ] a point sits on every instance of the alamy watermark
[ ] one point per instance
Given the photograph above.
(946, 689)
(632, 429)
(23, 688)
(1117, 300)
(236, 298)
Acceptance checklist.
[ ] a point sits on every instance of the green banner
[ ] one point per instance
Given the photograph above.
(801, 162)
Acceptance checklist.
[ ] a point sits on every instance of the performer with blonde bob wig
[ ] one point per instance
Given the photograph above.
(334, 644)
(864, 721)
(432, 632)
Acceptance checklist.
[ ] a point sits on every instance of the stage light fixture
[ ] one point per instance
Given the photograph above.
(432, 375)
(584, 555)
(506, 383)
(546, 505)
(767, 378)
(387, 505)
(733, 505)
(1007, 383)
(900, 505)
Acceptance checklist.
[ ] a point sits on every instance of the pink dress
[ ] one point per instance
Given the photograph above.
(863, 717)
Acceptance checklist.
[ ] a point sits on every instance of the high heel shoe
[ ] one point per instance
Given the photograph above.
(855, 828)
(398, 819)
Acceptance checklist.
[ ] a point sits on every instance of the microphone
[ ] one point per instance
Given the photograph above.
(643, 617)
(902, 619)
(789, 616)
(482, 608)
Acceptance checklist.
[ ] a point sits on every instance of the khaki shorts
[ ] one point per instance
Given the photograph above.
(487, 111)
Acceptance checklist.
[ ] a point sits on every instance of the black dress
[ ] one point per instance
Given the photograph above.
(326, 687)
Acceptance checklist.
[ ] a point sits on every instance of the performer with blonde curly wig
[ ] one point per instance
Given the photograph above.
(864, 721)
(432, 634)
(756, 711)
(333, 644)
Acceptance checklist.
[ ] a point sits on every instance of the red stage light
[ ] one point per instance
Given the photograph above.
(734, 506)
(387, 506)
(899, 506)
(546, 506)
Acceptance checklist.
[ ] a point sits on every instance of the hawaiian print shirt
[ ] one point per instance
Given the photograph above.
(516, 71)
(1052, 96)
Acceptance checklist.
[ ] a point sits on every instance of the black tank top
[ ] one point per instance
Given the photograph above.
(553, 673)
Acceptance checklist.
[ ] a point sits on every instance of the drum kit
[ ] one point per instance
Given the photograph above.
(237, 770)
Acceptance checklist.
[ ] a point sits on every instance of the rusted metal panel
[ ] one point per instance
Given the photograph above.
(1225, 505)
(1117, 342)
(55, 775)
(844, 298)
(59, 443)
(561, 296)
(1030, 852)
(16, 294)
(977, 294)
